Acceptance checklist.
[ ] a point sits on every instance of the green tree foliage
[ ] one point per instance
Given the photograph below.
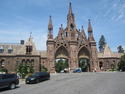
(83, 64)
(120, 49)
(24, 69)
(61, 65)
(102, 43)
(3, 69)
(121, 64)
(43, 68)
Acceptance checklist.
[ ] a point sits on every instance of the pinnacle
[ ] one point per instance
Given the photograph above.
(89, 26)
(50, 25)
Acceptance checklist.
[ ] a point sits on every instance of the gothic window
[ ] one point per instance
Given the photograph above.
(10, 50)
(2, 63)
(32, 62)
(23, 61)
(72, 27)
(27, 62)
(1, 50)
(29, 49)
(65, 45)
(66, 34)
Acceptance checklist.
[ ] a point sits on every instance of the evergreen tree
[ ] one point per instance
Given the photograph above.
(102, 43)
(120, 49)
(121, 64)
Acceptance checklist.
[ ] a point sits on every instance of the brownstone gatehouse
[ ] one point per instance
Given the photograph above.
(70, 44)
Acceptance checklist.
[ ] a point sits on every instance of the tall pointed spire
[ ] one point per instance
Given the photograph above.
(50, 28)
(70, 8)
(90, 31)
(89, 26)
(70, 18)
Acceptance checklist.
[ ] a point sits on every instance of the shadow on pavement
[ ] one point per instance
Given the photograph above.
(7, 89)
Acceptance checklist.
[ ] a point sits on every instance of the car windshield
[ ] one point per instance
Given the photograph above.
(35, 74)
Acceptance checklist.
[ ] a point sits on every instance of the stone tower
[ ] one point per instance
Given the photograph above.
(50, 47)
(92, 43)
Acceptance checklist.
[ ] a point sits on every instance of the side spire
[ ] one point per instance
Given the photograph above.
(90, 31)
(50, 28)
(83, 32)
(89, 26)
(50, 25)
(60, 34)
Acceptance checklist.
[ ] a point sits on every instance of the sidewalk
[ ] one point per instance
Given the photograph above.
(21, 81)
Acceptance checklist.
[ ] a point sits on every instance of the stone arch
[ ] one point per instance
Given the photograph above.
(32, 62)
(61, 58)
(61, 52)
(27, 61)
(84, 59)
(23, 61)
(101, 65)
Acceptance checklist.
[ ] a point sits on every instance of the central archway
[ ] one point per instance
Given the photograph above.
(84, 59)
(61, 59)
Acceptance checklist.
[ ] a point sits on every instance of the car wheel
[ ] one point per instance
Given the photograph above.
(37, 81)
(12, 86)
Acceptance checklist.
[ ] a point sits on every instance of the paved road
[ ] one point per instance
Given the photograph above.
(80, 83)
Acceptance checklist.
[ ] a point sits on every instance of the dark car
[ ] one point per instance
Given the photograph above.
(8, 80)
(123, 69)
(37, 77)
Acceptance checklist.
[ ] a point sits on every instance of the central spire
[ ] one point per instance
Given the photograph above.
(70, 8)
(70, 18)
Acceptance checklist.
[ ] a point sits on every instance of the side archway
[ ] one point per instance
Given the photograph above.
(84, 59)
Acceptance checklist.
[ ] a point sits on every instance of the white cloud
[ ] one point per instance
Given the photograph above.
(115, 11)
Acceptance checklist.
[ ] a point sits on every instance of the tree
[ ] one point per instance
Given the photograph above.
(102, 43)
(120, 49)
(43, 68)
(83, 64)
(2, 69)
(61, 65)
(121, 64)
(24, 69)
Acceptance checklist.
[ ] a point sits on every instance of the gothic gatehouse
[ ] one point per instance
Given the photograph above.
(72, 44)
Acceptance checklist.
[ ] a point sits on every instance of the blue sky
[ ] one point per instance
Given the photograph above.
(20, 17)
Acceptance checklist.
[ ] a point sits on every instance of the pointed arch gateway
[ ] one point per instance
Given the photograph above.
(61, 59)
(84, 59)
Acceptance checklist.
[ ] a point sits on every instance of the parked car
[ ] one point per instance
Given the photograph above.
(8, 80)
(37, 77)
(123, 69)
(77, 70)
